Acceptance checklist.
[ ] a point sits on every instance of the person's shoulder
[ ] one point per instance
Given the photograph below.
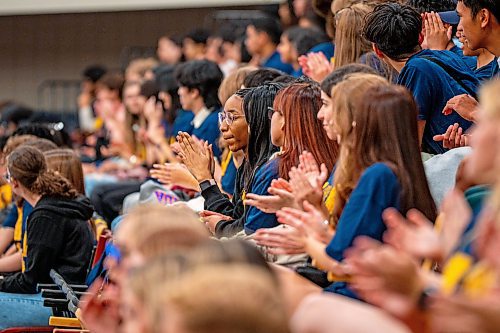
(378, 172)
(418, 62)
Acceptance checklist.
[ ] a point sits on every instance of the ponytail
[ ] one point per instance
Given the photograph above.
(28, 166)
(51, 183)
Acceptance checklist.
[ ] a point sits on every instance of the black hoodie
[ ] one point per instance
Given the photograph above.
(58, 237)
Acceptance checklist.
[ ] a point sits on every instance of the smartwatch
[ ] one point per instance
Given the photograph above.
(207, 184)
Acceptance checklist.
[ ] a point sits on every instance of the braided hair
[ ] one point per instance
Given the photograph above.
(256, 102)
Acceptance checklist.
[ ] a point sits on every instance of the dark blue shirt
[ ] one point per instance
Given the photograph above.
(209, 131)
(11, 218)
(274, 61)
(377, 189)
(488, 71)
(432, 86)
(327, 48)
(182, 122)
(228, 180)
(254, 218)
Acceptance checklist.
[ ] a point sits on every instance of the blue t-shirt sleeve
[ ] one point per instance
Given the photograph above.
(416, 77)
(210, 132)
(255, 218)
(377, 189)
(11, 218)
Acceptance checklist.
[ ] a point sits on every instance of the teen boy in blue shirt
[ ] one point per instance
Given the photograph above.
(434, 77)
(199, 82)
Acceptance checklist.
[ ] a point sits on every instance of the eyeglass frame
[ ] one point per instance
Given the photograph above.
(7, 176)
(224, 116)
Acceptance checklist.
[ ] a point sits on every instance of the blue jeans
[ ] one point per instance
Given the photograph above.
(23, 310)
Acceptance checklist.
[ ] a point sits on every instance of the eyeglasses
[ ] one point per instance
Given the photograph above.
(227, 117)
(271, 111)
(7, 176)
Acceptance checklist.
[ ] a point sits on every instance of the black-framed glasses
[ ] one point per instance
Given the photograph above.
(227, 117)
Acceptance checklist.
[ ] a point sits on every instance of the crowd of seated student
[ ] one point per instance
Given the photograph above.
(275, 180)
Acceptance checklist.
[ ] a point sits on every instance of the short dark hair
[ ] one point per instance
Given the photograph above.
(476, 5)
(427, 6)
(340, 74)
(304, 39)
(268, 25)
(204, 76)
(395, 30)
(198, 35)
(260, 76)
(94, 73)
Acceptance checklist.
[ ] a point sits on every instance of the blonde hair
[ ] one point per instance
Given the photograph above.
(344, 96)
(157, 229)
(165, 280)
(350, 45)
(233, 82)
(247, 300)
(490, 105)
(67, 163)
(488, 95)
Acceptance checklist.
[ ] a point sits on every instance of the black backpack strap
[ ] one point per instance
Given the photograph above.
(450, 72)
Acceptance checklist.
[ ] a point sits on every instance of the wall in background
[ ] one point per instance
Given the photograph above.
(41, 47)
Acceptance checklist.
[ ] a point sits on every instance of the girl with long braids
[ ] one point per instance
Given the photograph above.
(59, 237)
(245, 126)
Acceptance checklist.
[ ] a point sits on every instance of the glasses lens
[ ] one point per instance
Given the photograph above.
(229, 118)
(221, 117)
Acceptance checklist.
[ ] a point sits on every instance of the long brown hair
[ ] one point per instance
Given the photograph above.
(27, 165)
(300, 103)
(68, 164)
(350, 44)
(380, 125)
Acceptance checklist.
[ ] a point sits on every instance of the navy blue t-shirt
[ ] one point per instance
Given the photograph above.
(377, 189)
(432, 86)
(488, 71)
(11, 218)
(327, 48)
(183, 122)
(274, 61)
(210, 132)
(256, 219)
(228, 180)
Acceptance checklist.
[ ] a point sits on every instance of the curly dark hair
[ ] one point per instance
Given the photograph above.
(427, 6)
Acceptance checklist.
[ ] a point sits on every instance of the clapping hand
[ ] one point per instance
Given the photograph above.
(196, 156)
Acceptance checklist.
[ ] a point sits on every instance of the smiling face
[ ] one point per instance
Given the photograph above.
(325, 114)
(471, 27)
(236, 134)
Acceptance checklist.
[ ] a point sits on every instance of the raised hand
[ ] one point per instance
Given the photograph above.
(383, 276)
(198, 160)
(453, 137)
(174, 174)
(414, 235)
(465, 105)
(310, 222)
(437, 36)
(281, 240)
(99, 309)
(315, 65)
(211, 219)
